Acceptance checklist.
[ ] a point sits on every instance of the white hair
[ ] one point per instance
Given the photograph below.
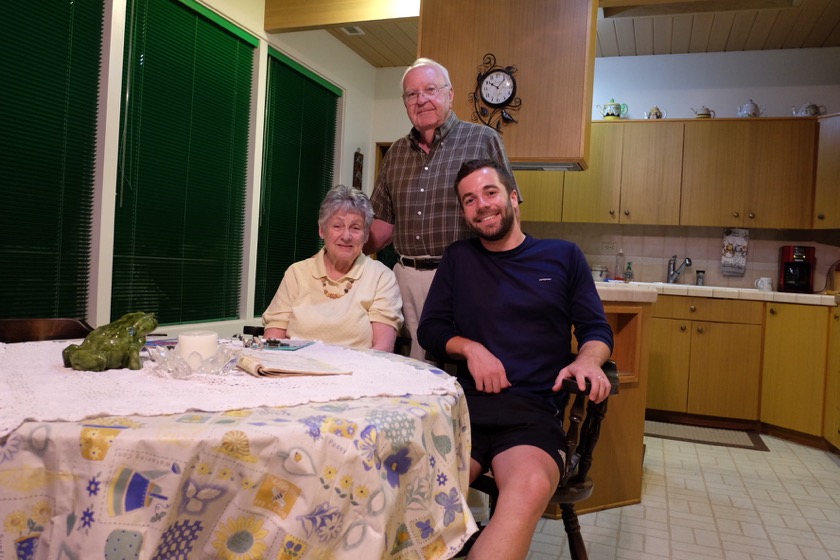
(420, 62)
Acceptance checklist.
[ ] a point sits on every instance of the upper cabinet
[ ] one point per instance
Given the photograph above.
(651, 167)
(552, 46)
(594, 195)
(748, 172)
(633, 176)
(542, 195)
(827, 194)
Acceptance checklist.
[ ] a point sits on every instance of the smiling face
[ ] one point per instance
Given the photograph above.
(489, 209)
(427, 113)
(344, 235)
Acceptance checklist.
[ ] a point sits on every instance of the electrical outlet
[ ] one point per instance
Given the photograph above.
(608, 248)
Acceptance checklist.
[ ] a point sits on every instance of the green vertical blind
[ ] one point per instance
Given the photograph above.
(179, 224)
(50, 71)
(298, 162)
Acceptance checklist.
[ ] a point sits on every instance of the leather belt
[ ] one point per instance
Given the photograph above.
(420, 264)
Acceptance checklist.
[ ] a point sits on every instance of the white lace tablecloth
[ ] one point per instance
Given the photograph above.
(35, 385)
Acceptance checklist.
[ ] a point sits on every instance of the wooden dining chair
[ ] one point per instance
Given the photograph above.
(583, 429)
(27, 330)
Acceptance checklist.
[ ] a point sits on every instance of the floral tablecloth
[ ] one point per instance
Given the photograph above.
(368, 477)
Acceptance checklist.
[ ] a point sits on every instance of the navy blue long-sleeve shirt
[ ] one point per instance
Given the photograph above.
(523, 305)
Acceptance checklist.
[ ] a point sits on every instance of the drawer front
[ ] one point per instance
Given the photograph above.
(708, 309)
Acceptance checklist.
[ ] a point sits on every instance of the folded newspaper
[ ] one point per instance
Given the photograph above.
(280, 364)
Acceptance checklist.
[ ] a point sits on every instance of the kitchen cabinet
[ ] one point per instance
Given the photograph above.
(748, 172)
(633, 177)
(827, 193)
(651, 169)
(705, 356)
(542, 193)
(831, 426)
(594, 195)
(552, 47)
(794, 366)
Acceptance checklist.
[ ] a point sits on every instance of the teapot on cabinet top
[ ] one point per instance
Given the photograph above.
(808, 110)
(750, 109)
(612, 110)
(703, 112)
(655, 113)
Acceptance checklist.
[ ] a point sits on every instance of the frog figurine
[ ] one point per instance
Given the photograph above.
(112, 346)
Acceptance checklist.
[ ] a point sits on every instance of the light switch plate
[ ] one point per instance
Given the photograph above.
(608, 248)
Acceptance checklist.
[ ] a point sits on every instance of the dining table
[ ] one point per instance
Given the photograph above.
(139, 464)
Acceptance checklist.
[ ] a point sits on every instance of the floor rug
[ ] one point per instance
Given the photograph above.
(709, 436)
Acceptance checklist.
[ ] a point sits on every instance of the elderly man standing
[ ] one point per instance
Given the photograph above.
(412, 198)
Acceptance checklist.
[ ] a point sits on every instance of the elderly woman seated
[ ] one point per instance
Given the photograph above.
(339, 296)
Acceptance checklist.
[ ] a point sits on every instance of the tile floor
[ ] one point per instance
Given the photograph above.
(701, 502)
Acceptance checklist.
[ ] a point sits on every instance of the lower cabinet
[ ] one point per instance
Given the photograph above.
(794, 372)
(831, 426)
(705, 357)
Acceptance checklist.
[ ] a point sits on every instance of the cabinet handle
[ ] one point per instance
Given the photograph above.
(821, 216)
(751, 215)
(612, 212)
(772, 311)
(700, 330)
(692, 308)
(627, 212)
(735, 214)
(682, 328)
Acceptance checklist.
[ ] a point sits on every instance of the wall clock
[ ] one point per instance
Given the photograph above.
(494, 98)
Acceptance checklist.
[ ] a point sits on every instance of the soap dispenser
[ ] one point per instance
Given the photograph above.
(619, 265)
(628, 273)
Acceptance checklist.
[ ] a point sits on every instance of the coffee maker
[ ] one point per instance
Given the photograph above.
(797, 265)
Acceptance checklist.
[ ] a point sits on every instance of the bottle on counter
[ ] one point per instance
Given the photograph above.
(619, 265)
(628, 272)
(701, 277)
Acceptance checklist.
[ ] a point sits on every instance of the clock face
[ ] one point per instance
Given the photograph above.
(497, 88)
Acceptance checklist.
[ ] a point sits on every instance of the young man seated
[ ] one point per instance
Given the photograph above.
(505, 304)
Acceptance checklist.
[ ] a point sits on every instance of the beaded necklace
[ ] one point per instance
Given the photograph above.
(332, 295)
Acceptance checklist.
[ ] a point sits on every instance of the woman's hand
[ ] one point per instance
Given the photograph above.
(275, 333)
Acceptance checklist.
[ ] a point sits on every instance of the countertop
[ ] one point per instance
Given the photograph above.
(648, 292)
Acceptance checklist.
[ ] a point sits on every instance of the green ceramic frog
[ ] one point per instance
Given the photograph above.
(112, 346)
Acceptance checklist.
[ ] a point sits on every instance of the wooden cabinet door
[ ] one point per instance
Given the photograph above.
(725, 369)
(779, 192)
(827, 195)
(831, 427)
(668, 364)
(715, 171)
(592, 196)
(651, 173)
(542, 193)
(793, 374)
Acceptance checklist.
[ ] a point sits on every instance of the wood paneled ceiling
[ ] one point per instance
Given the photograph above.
(648, 27)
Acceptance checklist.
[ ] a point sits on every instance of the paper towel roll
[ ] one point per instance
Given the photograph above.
(203, 343)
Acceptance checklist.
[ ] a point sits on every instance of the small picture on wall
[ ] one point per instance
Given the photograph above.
(358, 162)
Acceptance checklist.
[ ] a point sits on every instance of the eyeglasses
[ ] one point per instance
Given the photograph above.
(411, 97)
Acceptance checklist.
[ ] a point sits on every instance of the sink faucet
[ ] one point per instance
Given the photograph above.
(674, 273)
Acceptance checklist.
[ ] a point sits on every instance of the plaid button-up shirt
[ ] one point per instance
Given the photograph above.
(415, 190)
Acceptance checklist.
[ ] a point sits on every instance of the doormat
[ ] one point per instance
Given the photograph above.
(708, 436)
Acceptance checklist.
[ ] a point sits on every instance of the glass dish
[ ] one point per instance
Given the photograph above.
(172, 364)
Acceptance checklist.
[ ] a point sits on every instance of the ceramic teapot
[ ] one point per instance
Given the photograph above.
(612, 110)
(655, 113)
(703, 112)
(808, 110)
(750, 109)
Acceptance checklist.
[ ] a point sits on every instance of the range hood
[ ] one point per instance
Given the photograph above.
(546, 166)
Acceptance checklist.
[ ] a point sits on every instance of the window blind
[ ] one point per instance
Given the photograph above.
(179, 224)
(50, 72)
(298, 163)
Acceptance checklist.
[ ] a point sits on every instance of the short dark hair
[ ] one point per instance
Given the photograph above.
(473, 165)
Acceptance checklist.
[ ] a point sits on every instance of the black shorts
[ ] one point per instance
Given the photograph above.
(499, 421)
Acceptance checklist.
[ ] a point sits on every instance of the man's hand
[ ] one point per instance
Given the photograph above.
(486, 369)
(591, 357)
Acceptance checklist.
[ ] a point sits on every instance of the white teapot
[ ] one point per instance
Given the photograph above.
(703, 112)
(750, 109)
(808, 110)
